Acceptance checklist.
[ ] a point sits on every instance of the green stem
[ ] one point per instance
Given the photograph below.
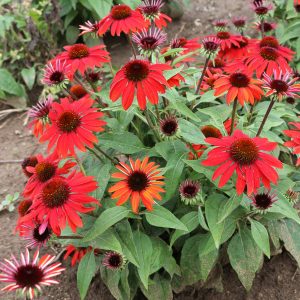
(95, 153)
(202, 76)
(234, 108)
(131, 45)
(112, 159)
(71, 237)
(266, 116)
(157, 112)
(149, 121)
(191, 147)
(249, 119)
(80, 165)
(262, 28)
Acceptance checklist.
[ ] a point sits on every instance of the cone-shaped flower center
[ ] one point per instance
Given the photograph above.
(137, 181)
(190, 190)
(55, 193)
(263, 200)
(29, 162)
(28, 276)
(45, 171)
(24, 207)
(78, 90)
(78, 51)
(239, 22)
(68, 121)
(266, 26)
(223, 35)
(178, 43)
(210, 46)
(211, 131)
(244, 151)
(136, 70)
(120, 12)
(269, 41)
(279, 85)
(239, 80)
(41, 237)
(57, 77)
(169, 126)
(261, 10)
(115, 260)
(269, 53)
(148, 41)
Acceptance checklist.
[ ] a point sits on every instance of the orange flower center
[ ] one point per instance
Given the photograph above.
(279, 85)
(269, 41)
(263, 200)
(68, 121)
(28, 276)
(29, 162)
(244, 151)
(136, 70)
(223, 35)
(268, 53)
(169, 126)
(57, 77)
(137, 181)
(41, 237)
(55, 193)
(24, 207)
(78, 90)
(45, 171)
(78, 51)
(239, 80)
(211, 131)
(120, 12)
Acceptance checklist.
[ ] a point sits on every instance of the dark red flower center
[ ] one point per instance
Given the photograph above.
(269, 53)
(41, 237)
(55, 193)
(136, 70)
(239, 23)
(242, 44)
(261, 10)
(150, 10)
(266, 26)
(93, 76)
(239, 80)
(57, 77)
(115, 260)
(169, 126)
(223, 35)
(244, 151)
(269, 41)
(28, 276)
(279, 85)
(29, 162)
(68, 121)
(24, 207)
(178, 43)
(263, 200)
(78, 91)
(290, 100)
(45, 171)
(211, 131)
(189, 189)
(297, 7)
(210, 46)
(120, 12)
(137, 181)
(148, 41)
(78, 51)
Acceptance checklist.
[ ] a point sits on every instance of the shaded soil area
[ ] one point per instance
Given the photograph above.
(278, 279)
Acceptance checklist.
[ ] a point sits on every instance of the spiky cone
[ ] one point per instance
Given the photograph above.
(190, 192)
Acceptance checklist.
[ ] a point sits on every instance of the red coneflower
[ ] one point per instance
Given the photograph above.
(29, 276)
(294, 143)
(220, 25)
(139, 181)
(30, 161)
(113, 260)
(281, 85)
(24, 206)
(122, 19)
(80, 57)
(236, 52)
(217, 65)
(266, 26)
(209, 80)
(210, 46)
(72, 125)
(187, 45)
(190, 192)
(245, 156)
(62, 199)
(228, 40)
(149, 41)
(261, 8)
(239, 23)
(139, 77)
(263, 201)
(169, 126)
(239, 85)
(56, 72)
(39, 114)
(45, 169)
(77, 253)
(93, 76)
(78, 91)
(89, 27)
(151, 11)
(297, 5)
(37, 235)
(175, 80)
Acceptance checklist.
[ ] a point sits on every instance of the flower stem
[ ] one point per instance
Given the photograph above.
(131, 45)
(112, 159)
(95, 153)
(266, 117)
(202, 76)
(262, 27)
(157, 112)
(151, 125)
(71, 237)
(234, 108)
(250, 115)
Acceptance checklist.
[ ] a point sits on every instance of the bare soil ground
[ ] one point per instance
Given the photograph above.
(278, 280)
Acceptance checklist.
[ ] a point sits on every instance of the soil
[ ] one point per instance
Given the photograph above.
(278, 278)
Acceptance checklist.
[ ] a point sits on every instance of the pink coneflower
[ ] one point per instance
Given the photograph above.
(39, 114)
(29, 276)
(239, 22)
(263, 201)
(210, 46)
(37, 235)
(266, 26)
(190, 192)
(113, 260)
(261, 8)
(220, 24)
(55, 72)
(149, 41)
(282, 85)
(169, 126)
(89, 27)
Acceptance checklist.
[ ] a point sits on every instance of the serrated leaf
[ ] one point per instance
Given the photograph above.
(162, 217)
(260, 236)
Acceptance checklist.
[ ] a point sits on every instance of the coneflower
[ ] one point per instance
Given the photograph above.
(113, 260)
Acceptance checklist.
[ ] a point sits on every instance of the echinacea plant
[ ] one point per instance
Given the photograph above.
(155, 171)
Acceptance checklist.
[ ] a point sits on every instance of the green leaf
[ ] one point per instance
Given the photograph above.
(260, 236)
(162, 217)
(8, 83)
(190, 132)
(125, 142)
(289, 234)
(228, 207)
(85, 273)
(170, 73)
(144, 251)
(245, 256)
(126, 237)
(107, 241)
(201, 219)
(72, 33)
(184, 110)
(190, 220)
(28, 76)
(101, 8)
(108, 218)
